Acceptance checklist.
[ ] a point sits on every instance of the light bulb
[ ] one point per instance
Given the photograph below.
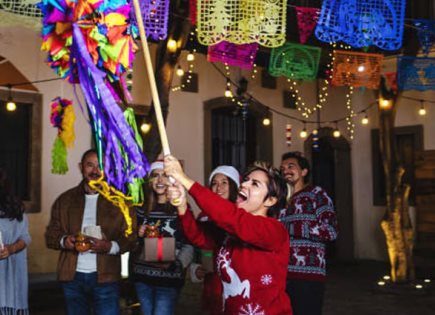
(11, 106)
(228, 92)
(266, 121)
(336, 133)
(303, 134)
(145, 127)
(315, 132)
(361, 68)
(385, 104)
(190, 57)
(365, 120)
(172, 45)
(180, 71)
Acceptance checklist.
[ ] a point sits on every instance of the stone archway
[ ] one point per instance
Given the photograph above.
(333, 166)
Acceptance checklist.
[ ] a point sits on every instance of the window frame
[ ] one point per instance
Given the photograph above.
(33, 205)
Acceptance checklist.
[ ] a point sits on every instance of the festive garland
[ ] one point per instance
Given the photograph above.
(103, 24)
(62, 117)
(91, 42)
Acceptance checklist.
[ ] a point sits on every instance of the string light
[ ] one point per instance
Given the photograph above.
(349, 118)
(254, 71)
(10, 105)
(303, 134)
(228, 92)
(316, 147)
(422, 110)
(305, 110)
(172, 45)
(385, 104)
(295, 118)
(336, 133)
(145, 127)
(190, 67)
(180, 71)
(365, 119)
(190, 56)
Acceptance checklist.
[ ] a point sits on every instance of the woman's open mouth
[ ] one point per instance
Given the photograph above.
(241, 197)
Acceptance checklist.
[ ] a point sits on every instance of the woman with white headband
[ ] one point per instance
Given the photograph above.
(224, 180)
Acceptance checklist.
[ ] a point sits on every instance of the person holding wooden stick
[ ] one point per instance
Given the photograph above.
(252, 259)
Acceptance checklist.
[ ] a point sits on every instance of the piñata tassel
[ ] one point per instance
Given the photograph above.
(67, 134)
(59, 164)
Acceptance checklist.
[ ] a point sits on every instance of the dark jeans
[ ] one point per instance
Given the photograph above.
(156, 300)
(84, 293)
(306, 296)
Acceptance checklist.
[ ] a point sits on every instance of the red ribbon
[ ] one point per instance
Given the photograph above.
(160, 249)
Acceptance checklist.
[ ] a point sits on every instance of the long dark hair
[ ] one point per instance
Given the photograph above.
(234, 190)
(11, 207)
(151, 200)
(276, 186)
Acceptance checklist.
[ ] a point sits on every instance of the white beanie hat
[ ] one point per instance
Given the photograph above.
(228, 171)
(157, 165)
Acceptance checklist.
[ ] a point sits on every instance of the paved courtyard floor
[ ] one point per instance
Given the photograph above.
(351, 289)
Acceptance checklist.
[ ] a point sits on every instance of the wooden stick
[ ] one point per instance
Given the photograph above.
(152, 79)
(154, 92)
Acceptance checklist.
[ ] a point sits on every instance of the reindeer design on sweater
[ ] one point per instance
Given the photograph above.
(321, 257)
(168, 228)
(300, 259)
(299, 207)
(235, 286)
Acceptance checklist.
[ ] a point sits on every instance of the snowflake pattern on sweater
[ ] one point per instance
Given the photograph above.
(251, 261)
(311, 221)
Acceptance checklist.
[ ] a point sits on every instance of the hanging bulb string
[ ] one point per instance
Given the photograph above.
(417, 99)
(11, 85)
(286, 115)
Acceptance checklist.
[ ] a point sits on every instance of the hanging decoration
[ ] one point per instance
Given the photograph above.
(155, 15)
(91, 43)
(426, 34)
(307, 20)
(349, 118)
(103, 25)
(316, 147)
(241, 56)
(288, 134)
(242, 22)
(295, 61)
(356, 69)
(192, 11)
(22, 13)
(391, 80)
(62, 117)
(416, 73)
(362, 23)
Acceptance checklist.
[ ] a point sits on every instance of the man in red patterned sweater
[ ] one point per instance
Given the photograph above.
(311, 222)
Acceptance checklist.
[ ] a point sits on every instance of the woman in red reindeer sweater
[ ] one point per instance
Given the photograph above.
(252, 259)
